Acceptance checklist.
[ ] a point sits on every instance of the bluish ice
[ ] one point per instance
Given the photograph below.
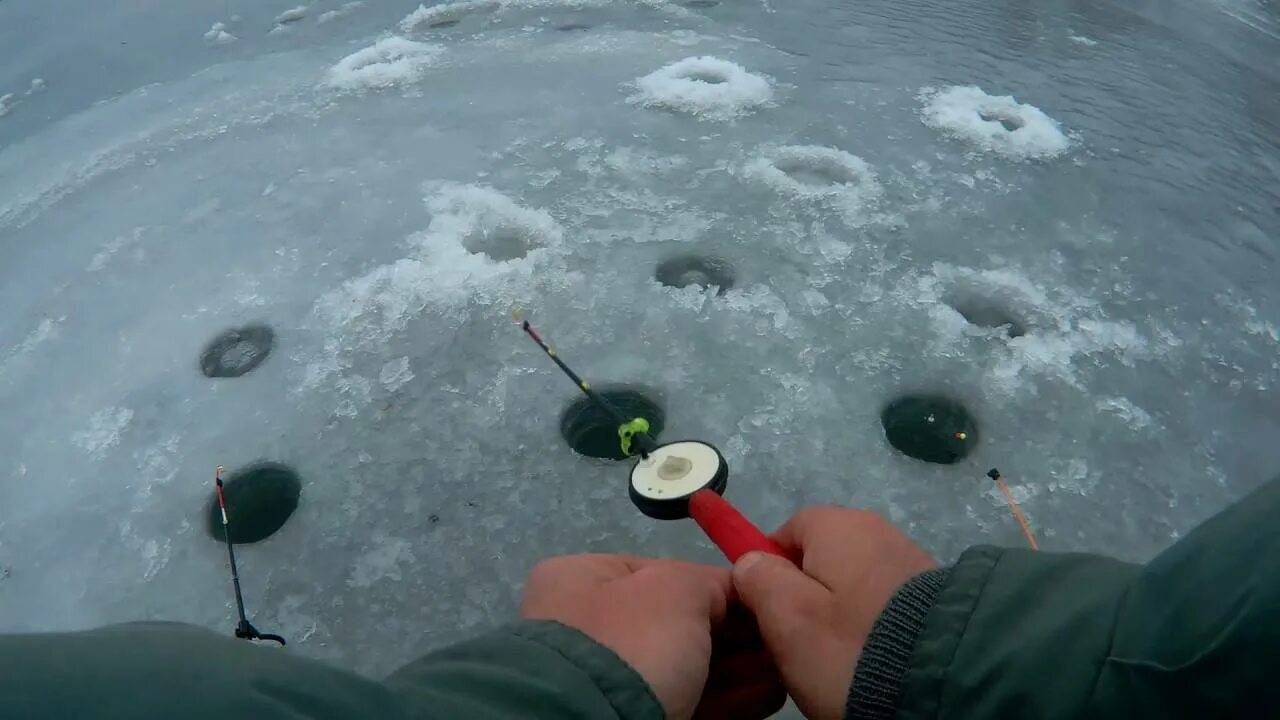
(382, 185)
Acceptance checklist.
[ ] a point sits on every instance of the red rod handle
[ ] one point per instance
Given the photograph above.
(727, 528)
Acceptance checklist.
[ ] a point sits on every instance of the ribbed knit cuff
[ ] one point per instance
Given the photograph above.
(877, 680)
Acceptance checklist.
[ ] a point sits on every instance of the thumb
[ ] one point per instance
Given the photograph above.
(786, 602)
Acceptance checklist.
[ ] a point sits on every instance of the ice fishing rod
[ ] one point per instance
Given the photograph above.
(677, 480)
(244, 629)
(994, 474)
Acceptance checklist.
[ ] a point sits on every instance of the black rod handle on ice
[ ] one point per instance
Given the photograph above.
(247, 631)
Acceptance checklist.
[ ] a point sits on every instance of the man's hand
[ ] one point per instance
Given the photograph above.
(816, 618)
(657, 615)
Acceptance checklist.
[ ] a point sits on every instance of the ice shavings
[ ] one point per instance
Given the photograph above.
(103, 431)
(993, 123)
(395, 374)
(706, 87)
(447, 262)
(218, 35)
(292, 15)
(390, 61)
(1063, 325)
(844, 181)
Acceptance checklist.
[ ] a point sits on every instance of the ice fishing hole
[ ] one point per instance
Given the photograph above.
(984, 313)
(710, 77)
(685, 270)
(499, 244)
(592, 432)
(260, 498)
(237, 351)
(570, 27)
(701, 3)
(816, 172)
(443, 23)
(1009, 121)
(932, 428)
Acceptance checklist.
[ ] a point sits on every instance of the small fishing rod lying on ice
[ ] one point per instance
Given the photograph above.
(672, 481)
(244, 629)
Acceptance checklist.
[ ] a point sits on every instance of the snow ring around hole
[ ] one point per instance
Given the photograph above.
(993, 123)
(446, 15)
(388, 62)
(685, 270)
(814, 172)
(237, 352)
(932, 428)
(706, 87)
(440, 271)
(590, 431)
(260, 499)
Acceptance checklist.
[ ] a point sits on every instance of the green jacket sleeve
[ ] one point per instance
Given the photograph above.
(533, 669)
(1013, 633)
(160, 671)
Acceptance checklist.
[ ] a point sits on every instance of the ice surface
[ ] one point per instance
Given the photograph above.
(705, 87)
(995, 123)
(390, 61)
(385, 237)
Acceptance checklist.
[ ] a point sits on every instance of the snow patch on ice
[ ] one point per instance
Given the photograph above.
(45, 330)
(390, 61)
(7, 102)
(342, 11)
(706, 87)
(993, 123)
(153, 553)
(218, 35)
(1082, 40)
(381, 563)
(1132, 415)
(37, 85)
(808, 172)
(292, 15)
(111, 247)
(104, 430)
(395, 374)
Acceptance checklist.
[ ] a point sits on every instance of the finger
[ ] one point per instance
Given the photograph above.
(701, 590)
(790, 607)
(570, 575)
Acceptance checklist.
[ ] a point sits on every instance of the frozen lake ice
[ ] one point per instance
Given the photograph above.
(1062, 215)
